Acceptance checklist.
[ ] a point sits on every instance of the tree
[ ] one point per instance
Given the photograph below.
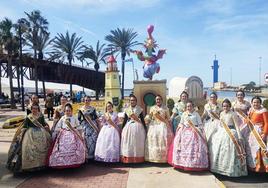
(37, 25)
(42, 43)
(66, 47)
(252, 83)
(11, 45)
(122, 40)
(97, 57)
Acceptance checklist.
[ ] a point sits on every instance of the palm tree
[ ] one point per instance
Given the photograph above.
(66, 47)
(122, 40)
(10, 43)
(42, 43)
(36, 25)
(97, 57)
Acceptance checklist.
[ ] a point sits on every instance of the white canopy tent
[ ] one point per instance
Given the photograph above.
(192, 85)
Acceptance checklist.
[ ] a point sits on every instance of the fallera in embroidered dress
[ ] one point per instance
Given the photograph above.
(108, 142)
(29, 148)
(210, 123)
(133, 137)
(159, 136)
(90, 134)
(256, 159)
(178, 109)
(224, 157)
(68, 150)
(190, 151)
(244, 107)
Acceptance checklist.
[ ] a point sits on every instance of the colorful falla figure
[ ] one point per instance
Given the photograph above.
(150, 60)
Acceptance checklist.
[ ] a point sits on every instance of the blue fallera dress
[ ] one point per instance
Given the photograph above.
(91, 130)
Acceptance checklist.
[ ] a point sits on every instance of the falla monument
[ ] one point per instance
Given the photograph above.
(146, 90)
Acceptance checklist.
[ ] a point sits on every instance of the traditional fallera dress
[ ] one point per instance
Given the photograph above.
(178, 109)
(88, 120)
(68, 150)
(190, 151)
(133, 136)
(108, 142)
(211, 124)
(256, 159)
(30, 145)
(226, 156)
(159, 135)
(244, 107)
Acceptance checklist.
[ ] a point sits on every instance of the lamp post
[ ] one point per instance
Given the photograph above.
(260, 59)
(21, 65)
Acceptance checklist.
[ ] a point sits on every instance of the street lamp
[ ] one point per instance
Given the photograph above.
(260, 59)
(21, 23)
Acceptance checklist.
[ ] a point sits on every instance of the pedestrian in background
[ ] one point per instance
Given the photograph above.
(49, 106)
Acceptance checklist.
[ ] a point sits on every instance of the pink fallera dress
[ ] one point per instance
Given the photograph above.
(68, 150)
(190, 151)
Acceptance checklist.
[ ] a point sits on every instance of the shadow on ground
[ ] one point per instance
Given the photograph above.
(252, 180)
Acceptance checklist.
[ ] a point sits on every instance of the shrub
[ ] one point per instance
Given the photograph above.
(265, 103)
(170, 105)
(120, 106)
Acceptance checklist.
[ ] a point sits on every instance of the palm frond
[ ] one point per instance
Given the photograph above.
(121, 40)
(66, 47)
(97, 55)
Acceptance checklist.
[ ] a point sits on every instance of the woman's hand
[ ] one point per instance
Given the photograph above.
(264, 137)
(47, 128)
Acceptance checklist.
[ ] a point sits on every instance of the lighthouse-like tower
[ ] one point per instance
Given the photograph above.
(215, 69)
(112, 83)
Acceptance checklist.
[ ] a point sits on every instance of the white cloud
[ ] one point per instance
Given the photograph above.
(72, 26)
(238, 23)
(217, 6)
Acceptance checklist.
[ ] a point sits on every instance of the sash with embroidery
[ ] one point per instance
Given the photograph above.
(110, 121)
(73, 130)
(160, 118)
(240, 151)
(254, 132)
(131, 114)
(35, 121)
(135, 118)
(196, 130)
(90, 122)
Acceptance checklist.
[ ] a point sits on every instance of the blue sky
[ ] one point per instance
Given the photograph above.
(191, 31)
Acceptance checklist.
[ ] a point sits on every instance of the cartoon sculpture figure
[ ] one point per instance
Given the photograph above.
(150, 60)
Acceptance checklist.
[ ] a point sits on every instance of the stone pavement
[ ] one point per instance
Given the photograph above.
(151, 175)
(93, 175)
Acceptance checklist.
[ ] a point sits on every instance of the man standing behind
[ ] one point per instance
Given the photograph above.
(49, 106)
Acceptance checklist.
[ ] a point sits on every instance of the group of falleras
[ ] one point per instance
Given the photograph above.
(228, 138)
